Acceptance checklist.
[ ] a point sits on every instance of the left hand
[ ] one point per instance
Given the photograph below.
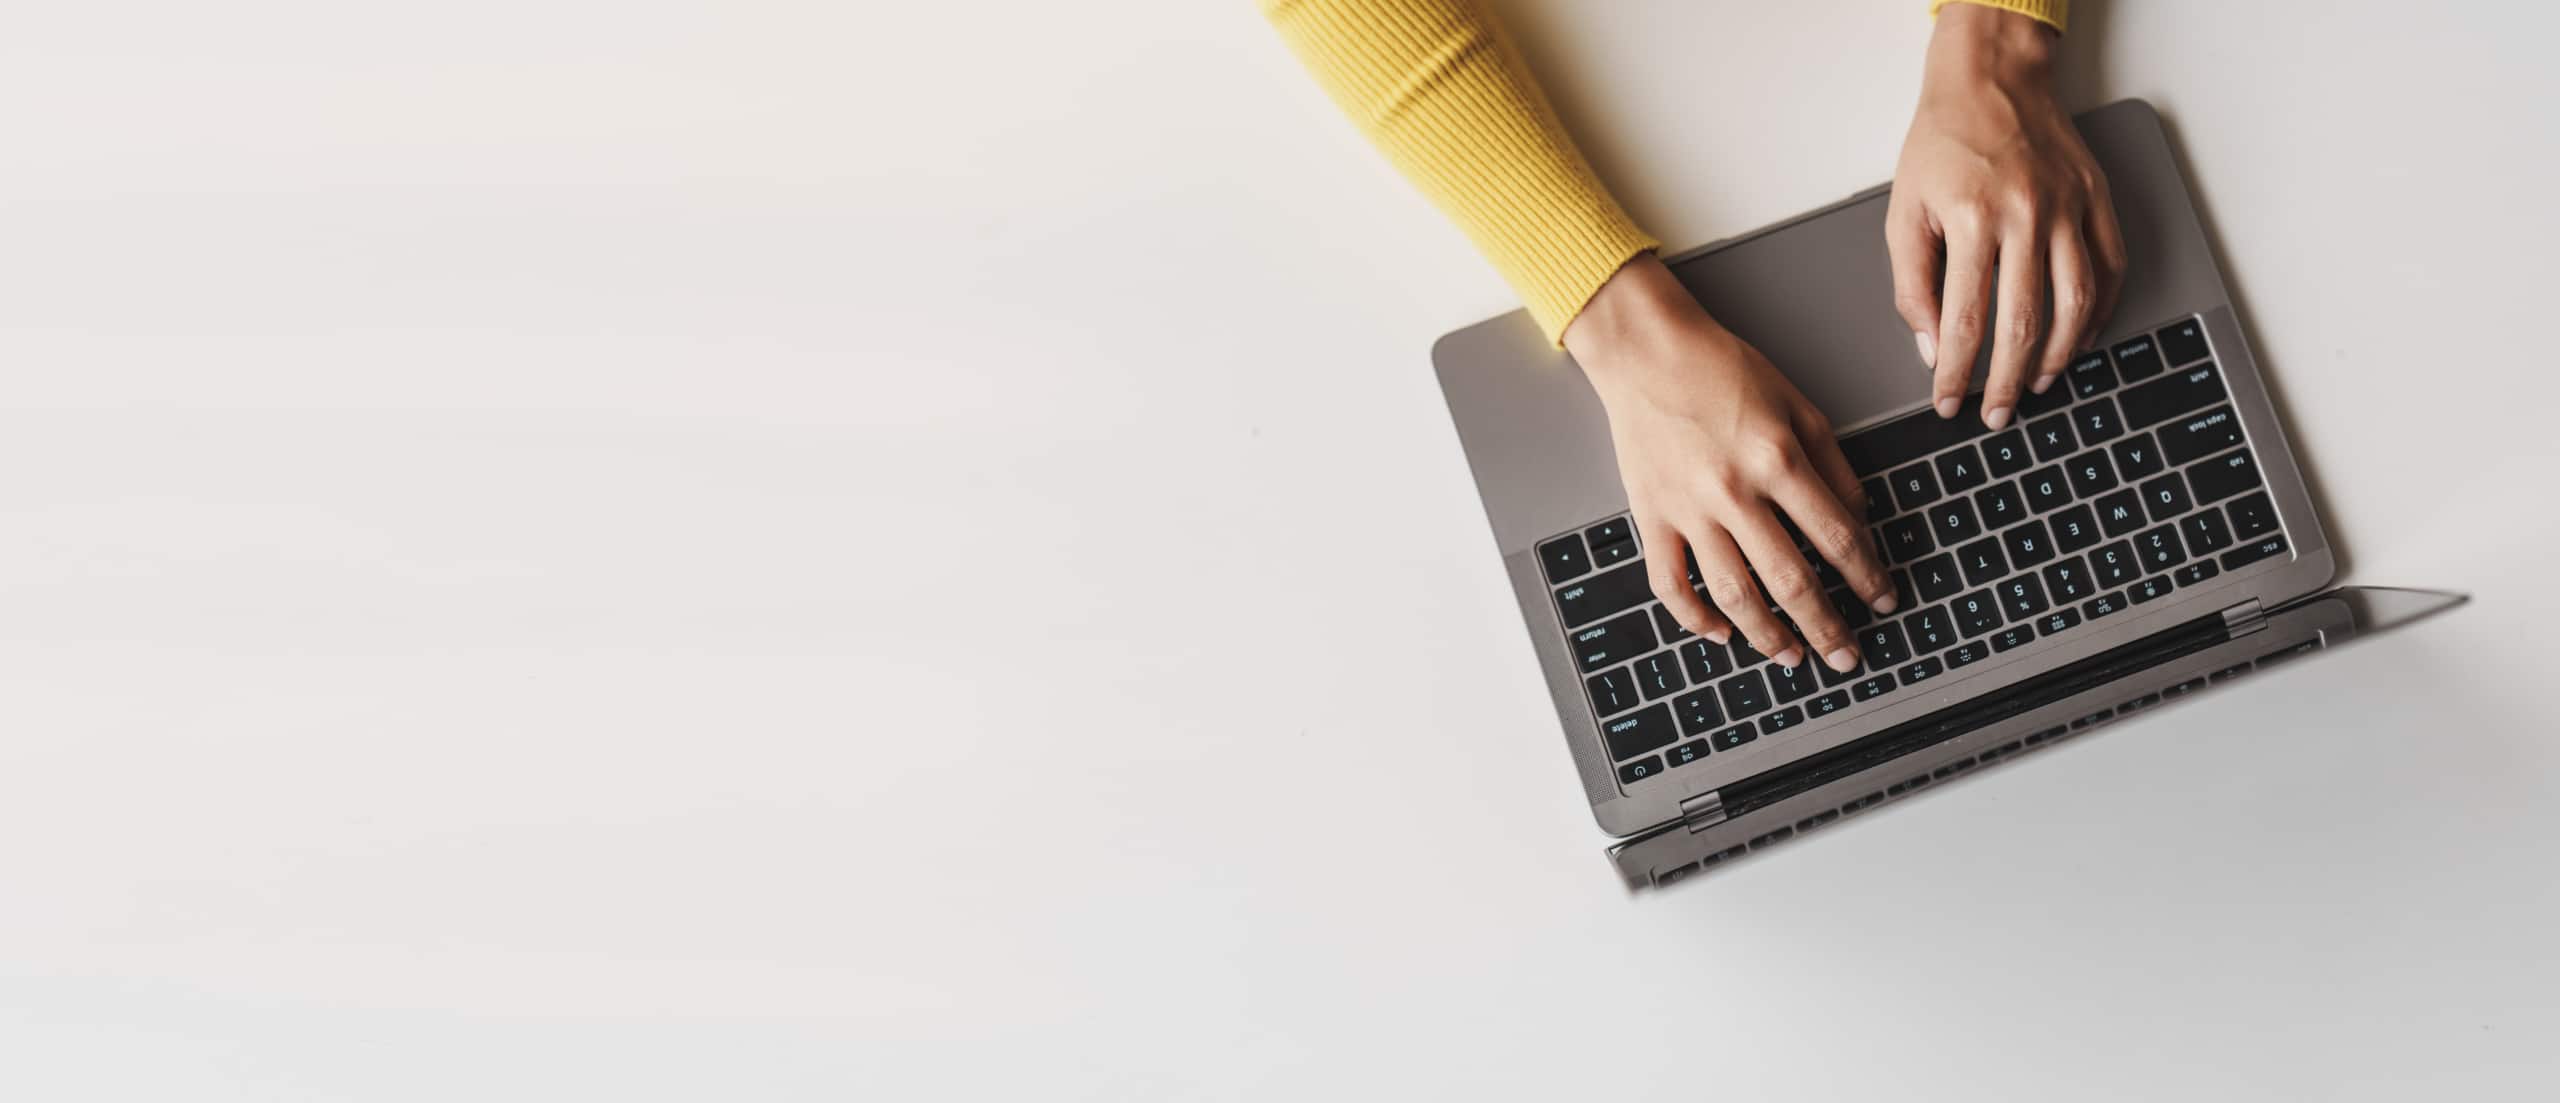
(1992, 172)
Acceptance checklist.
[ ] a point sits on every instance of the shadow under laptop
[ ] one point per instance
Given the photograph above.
(2206, 657)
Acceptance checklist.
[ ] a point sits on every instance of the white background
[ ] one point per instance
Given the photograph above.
(563, 550)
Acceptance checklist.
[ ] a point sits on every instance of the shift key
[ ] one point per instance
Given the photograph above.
(2170, 395)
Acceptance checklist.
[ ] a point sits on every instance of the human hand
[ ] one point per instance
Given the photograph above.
(1992, 171)
(1713, 445)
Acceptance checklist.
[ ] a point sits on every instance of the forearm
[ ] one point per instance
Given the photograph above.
(1436, 86)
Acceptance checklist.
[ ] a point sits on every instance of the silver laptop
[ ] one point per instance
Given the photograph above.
(2140, 528)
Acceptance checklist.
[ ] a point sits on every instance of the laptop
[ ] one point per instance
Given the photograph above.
(2138, 529)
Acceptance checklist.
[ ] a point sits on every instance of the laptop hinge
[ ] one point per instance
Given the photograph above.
(1703, 811)
(2244, 618)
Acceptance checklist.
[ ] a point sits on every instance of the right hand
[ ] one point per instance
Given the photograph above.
(1713, 445)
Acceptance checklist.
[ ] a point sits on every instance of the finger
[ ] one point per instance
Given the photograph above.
(2106, 246)
(1791, 583)
(1666, 557)
(1729, 585)
(1961, 317)
(2020, 332)
(2075, 301)
(1913, 250)
(1841, 487)
(1839, 538)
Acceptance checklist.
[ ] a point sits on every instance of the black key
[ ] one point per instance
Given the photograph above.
(1982, 561)
(1883, 646)
(2137, 358)
(1705, 660)
(1936, 577)
(1879, 500)
(2091, 474)
(2120, 512)
(1697, 711)
(2192, 438)
(2167, 496)
(1659, 674)
(1564, 558)
(2154, 587)
(1953, 522)
(1793, 685)
(1608, 532)
(2176, 393)
(2047, 488)
(1874, 687)
(2252, 515)
(2103, 605)
(1688, 752)
(1960, 470)
(1931, 629)
(1904, 596)
(2028, 545)
(2097, 421)
(1609, 592)
(2057, 621)
(2206, 534)
(1667, 626)
(1744, 694)
(1734, 736)
(1639, 769)
(2007, 454)
(2253, 551)
(2001, 506)
(2068, 581)
(2223, 476)
(2013, 636)
(2183, 343)
(1967, 655)
(2021, 597)
(2090, 374)
(2115, 564)
(2031, 404)
(1830, 677)
(2074, 528)
(1851, 609)
(1921, 671)
(1907, 538)
(2136, 457)
(2052, 438)
(1828, 703)
(1910, 437)
(1636, 733)
(1613, 641)
(1610, 555)
(1781, 720)
(1613, 693)
(2160, 548)
(1745, 656)
(1914, 486)
(2196, 572)
(1976, 613)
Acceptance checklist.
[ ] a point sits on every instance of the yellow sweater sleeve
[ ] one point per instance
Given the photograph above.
(2056, 12)
(1444, 94)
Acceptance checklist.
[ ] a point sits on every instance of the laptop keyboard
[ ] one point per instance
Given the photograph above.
(2126, 481)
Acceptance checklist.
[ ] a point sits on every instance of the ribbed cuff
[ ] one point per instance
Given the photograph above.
(2054, 12)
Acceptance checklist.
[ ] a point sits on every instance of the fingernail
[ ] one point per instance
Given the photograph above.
(1996, 417)
(1720, 635)
(1947, 406)
(1789, 658)
(2042, 384)
(1885, 604)
(1844, 660)
(1928, 350)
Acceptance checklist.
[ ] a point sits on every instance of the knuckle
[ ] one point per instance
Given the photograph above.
(1836, 538)
(1768, 453)
(1965, 323)
(1729, 592)
(1790, 585)
(2075, 296)
(1914, 306)
(2024, 323)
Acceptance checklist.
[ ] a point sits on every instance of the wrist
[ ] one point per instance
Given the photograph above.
(1983, 41)
(1640, 306)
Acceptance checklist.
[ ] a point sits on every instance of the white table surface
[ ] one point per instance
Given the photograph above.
(566, 550)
